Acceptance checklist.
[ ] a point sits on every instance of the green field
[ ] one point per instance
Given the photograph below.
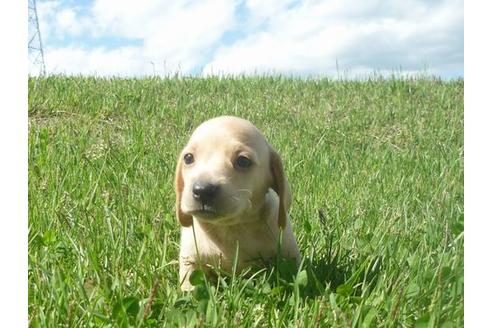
(376, 171)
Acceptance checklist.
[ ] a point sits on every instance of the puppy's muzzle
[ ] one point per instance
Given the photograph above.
(205, 192)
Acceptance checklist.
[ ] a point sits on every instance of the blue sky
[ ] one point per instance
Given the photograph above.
(353, 38)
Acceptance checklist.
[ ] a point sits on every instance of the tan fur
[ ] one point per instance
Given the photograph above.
(250, 209)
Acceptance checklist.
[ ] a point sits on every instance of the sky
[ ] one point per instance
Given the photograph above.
(331, 38)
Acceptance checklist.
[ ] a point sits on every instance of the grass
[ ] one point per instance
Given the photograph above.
(376, 170)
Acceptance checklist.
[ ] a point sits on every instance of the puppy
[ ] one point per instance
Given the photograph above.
(232, 199)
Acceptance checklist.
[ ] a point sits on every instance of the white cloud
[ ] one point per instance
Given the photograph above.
(261, 10)
(358, 35)
(99, 61)
(66, 20)
(47, 17)
(271, 36)
(174, 35)
(58, 22)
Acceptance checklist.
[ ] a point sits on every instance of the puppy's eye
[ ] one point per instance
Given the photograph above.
(242, 162)
(188, 159)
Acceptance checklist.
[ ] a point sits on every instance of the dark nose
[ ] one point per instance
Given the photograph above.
(205, 192)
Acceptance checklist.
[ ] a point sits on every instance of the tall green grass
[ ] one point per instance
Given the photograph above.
(376, 170)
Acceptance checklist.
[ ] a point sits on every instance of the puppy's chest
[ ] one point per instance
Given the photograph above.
(250, 244)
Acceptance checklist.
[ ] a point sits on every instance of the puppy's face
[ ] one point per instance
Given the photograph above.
(224, 171)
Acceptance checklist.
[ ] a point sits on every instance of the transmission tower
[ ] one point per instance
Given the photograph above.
(35, 45)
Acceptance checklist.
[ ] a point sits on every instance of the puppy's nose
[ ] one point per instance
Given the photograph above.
(205, 192)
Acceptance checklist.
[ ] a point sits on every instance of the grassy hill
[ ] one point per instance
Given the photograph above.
(376, 171)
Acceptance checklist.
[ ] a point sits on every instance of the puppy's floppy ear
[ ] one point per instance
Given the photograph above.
(281, 187)
(184, 219)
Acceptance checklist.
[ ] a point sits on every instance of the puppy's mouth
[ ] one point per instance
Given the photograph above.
(205, 211)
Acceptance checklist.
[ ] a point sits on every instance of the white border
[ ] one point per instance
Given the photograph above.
(13, 176)
(478, 164)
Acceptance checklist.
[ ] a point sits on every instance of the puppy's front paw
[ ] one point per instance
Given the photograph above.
(186, 267)
(186, 286)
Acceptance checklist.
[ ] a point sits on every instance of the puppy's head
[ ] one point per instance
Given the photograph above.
(224, 172)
